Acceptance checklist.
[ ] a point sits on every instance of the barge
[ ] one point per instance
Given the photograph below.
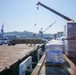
(12, 56)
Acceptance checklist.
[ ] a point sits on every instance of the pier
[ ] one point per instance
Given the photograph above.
(12, 56)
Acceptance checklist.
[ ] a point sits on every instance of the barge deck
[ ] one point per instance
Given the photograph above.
(68, 68)
(11, 54)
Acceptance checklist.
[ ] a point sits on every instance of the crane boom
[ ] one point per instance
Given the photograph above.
(52, 10)
(48, 27)
(41, 30)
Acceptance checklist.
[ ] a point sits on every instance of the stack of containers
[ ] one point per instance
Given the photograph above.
(54, 52)
(70, 42)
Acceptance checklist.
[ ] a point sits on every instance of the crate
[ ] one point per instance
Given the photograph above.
(54, 57)
(70, 48)
(54, 45)
(70, 30)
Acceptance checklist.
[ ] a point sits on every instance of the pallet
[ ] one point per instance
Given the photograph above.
(53, 64)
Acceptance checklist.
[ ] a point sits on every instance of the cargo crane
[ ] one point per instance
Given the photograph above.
(41, 30)
(52, 10)
(2, 30)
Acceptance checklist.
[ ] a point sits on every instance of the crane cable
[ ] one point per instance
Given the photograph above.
(36, 8)
(35, 21)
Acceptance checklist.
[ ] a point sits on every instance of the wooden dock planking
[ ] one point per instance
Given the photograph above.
(37, 69)
(72, 65)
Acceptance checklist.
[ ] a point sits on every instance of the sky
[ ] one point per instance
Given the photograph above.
(22, 15)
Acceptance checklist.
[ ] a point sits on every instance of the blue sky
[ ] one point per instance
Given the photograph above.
(21, 15)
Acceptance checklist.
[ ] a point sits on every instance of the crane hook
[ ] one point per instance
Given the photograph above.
(37, 8)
